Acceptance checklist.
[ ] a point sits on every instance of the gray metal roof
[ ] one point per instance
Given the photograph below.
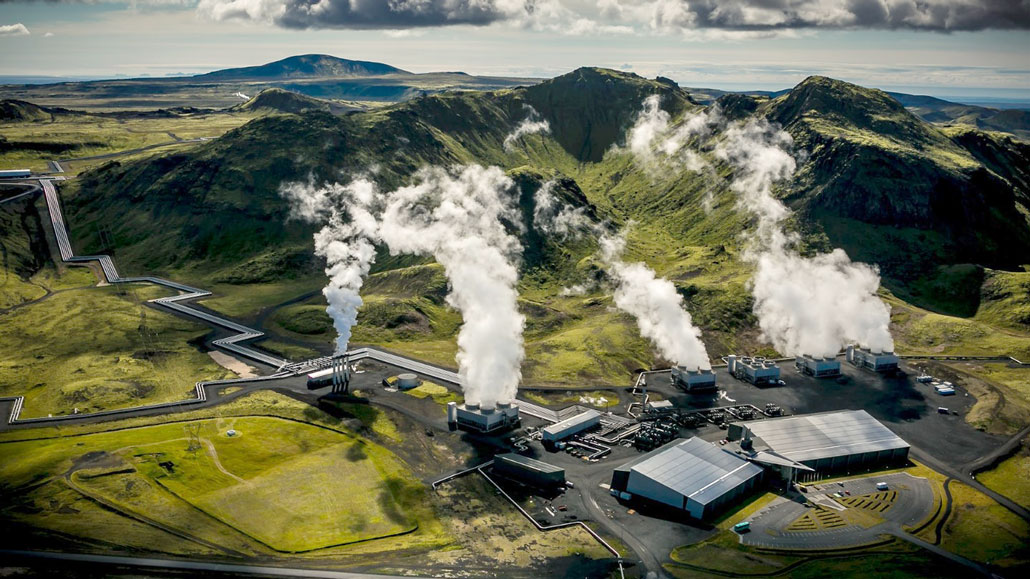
(696, 469)
(530, 463)
(572, 422)
(815, 436)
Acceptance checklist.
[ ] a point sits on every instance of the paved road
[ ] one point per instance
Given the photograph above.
(144, 563)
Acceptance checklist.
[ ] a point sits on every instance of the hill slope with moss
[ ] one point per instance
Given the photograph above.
(875, 179)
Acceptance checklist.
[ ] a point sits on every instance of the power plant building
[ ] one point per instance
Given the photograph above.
(694, 476)
(529, 471)
(693, 380)
(825, 442)
(818, 367)
(871, 360)
(757, 371)
(472, 417)
(570, 426)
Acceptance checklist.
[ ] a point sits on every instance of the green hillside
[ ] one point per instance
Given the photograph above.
(876, 180)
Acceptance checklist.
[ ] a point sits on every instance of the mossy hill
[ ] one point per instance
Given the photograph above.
(875, 179)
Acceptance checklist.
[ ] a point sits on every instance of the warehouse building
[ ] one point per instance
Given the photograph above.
(757, 371)
(823, 443)
(693, 380)
(529, 471)
(570, 426)
(694, 476)
(818, 367)
(872, 360)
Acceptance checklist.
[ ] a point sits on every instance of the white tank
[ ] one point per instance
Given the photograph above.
(407, 381)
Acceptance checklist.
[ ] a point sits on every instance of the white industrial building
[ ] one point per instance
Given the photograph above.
(757, 371)
(822, 443)
(693, 380)
(486, 421)
(818, 367)
(872, 360)
(15, 174)
(694, 476)
(570, 426)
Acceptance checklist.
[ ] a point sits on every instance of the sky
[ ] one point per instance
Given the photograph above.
(945, 48)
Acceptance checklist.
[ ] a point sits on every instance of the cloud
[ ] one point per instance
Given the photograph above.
(734, 18)
(14, 30)
(356, 14)
(48, 35)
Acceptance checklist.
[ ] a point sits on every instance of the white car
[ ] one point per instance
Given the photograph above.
(881, 486)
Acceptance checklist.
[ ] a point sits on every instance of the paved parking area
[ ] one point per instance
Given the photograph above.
(770, 526)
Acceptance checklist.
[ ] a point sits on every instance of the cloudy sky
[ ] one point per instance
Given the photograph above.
(940, 47)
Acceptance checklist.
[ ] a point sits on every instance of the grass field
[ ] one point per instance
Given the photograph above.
(69, 136)
(982, 530)
(439, 394)
(286, 484)
(1011, 476)
(97, 349)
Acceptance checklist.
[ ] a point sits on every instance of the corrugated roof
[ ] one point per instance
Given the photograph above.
(696, 469)
(572, 422)
(530, 463)
(815, 436)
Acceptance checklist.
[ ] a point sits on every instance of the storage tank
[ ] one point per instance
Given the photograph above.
(407, 381)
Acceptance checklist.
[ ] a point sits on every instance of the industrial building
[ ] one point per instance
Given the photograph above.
(692, 475)
(818, 367)
(15, 174)
(529, 471)
(693, 380)
(812, 445)
(757, 371)
(871, 360)
(570, 426)
(486, 421)
(337, 376)
(659, 407)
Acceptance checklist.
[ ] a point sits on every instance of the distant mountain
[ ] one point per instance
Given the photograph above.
(300, 67)
(874, 178)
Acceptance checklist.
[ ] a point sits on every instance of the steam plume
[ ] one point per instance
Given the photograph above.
(346, 241)
(459, 217)
(658, 145)
(553, 217)
(656, 305)
(530, 125)
(805, 305)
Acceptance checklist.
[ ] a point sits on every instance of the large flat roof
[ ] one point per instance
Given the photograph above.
(825, 435)
(530, 463)
(572, 422)
(696, 469)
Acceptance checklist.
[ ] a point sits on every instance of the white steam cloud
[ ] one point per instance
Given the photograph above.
(658, 144)
(656, 305)
(346, 241)
(553, 217)
(805, 305)
(458, 216)
(532, 124)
